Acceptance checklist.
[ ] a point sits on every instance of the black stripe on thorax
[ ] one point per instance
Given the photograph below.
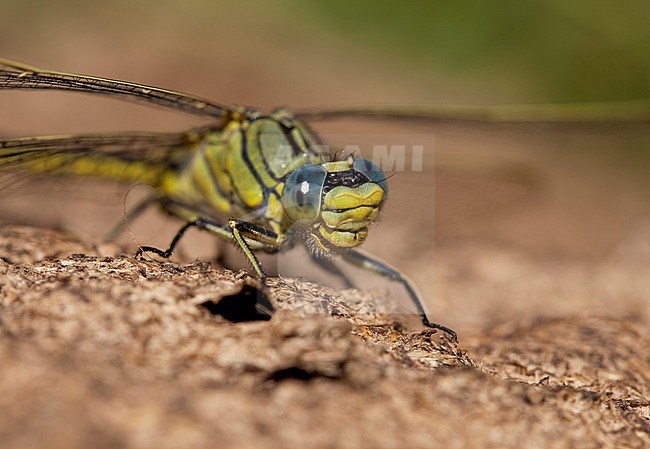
(286, 130)
(249, 164)
(264, 161)
(213, 177)
(297, 150)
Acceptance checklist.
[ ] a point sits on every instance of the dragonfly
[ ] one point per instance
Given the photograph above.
(261, 181)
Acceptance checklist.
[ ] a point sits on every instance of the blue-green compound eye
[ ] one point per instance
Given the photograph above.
(373, 172)
(301, 196)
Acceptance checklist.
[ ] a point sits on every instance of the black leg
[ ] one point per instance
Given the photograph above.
(249, 238)
(246, 233)
(367, 263)
(199, 223)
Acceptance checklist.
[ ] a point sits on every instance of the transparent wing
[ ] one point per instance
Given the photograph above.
(14, 75)
(636, 111)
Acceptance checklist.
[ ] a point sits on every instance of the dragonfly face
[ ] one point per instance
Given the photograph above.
(334, 203)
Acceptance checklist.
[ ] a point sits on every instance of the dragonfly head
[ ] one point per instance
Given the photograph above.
(334, 203)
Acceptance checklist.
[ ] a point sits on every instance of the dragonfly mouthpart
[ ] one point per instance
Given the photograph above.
(335, 203)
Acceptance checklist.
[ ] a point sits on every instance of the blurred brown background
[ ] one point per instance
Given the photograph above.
(503, 222)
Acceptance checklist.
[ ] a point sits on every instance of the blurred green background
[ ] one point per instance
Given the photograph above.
(535, 50)
(456, 51)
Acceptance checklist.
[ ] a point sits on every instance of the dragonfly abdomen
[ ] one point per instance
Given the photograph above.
(73, 163)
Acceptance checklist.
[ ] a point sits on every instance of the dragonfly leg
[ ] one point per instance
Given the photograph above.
(332, 268)
(137, 211)
(246, 233)
(249, 237)
(368, 263)
(199, 223)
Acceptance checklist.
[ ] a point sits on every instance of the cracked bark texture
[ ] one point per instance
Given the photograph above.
(102, 350)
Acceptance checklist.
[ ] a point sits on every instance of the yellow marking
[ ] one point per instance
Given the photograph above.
(343, 239)
(324, 249)
(101, 166)
(275, 212)
(194, 186)
(350, 219)
(267, 137)
(258, 164)
(274, 203)
(204, 180)
(368, 194)
(222, 176)
(214, 156)
(217, 151)
(298, 137)
(338, 166)
(244, 181)
(264, 138)
(180, 186)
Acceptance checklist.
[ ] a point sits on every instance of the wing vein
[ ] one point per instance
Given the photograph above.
(14, 75)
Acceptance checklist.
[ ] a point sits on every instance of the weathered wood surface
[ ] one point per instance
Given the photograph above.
(108, 352)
